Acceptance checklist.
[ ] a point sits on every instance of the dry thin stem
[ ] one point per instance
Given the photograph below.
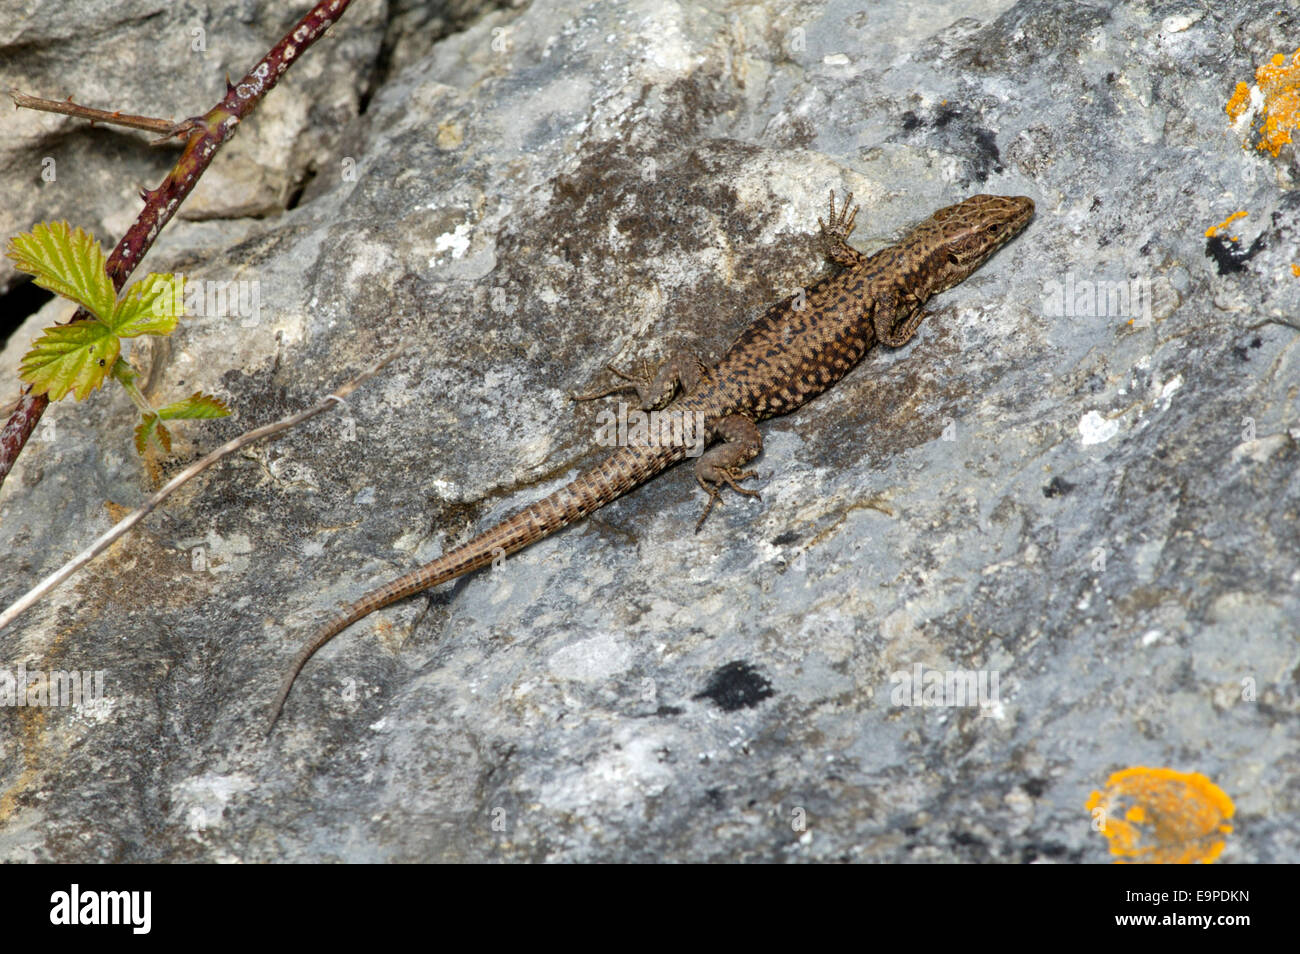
(196, 468)
(115, 118)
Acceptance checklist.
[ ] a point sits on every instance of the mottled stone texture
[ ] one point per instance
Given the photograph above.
(1093, 498)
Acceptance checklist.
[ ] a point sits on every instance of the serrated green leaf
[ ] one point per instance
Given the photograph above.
(74, 357)
(149, 306)
(66, 262)
(151, 429)
(197, 405)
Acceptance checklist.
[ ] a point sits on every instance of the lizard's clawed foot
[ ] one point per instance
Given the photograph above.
(638, 383)
(840, 226)
(729, 477)
(680, 374)
(836, 232)
(901, 332)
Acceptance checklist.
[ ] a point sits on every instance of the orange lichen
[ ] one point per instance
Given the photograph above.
(1159, 816)
(1295, 270)
(1278, 83)
(1213, 230)
(1239, 101)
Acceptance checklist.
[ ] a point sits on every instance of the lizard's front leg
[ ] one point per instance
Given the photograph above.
(741, 443)
(892, 330)
(682, 372)
(836, 232)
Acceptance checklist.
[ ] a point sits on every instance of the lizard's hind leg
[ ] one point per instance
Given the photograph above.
(741, 443)
(682, 372)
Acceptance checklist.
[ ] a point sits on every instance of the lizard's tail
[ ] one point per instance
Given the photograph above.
(615, 476)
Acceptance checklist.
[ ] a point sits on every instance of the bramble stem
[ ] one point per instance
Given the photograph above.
(207, 133)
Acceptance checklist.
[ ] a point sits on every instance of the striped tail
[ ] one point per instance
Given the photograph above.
(620, 472)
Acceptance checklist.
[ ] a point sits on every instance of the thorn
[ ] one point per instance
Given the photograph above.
(229, 85)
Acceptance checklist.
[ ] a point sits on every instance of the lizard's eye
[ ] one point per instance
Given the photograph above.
(952, 259)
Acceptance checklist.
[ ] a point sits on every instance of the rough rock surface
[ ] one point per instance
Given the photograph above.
(1098, 505)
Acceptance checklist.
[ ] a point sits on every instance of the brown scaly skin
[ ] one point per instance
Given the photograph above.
(795, 351)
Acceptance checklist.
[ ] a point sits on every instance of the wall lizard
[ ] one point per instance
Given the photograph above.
(797, 349)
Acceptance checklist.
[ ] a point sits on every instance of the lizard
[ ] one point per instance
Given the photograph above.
(798, 348)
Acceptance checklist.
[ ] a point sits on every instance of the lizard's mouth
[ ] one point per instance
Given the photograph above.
(1006, 215)
(1024, 211)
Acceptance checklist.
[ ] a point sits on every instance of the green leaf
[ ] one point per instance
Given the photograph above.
(151, 429)
(197, 405)
(149, 306)
(74, 357)
(67, 263)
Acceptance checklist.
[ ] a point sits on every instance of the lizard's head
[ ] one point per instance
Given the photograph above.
(966, 234)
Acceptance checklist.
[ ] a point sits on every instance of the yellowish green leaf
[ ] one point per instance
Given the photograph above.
(151, 306)
(197, 405)
(67, 262)
(73, 357)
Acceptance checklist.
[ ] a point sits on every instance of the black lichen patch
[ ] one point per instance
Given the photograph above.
(960, 132)
(1057, 487)
(1230, 255)
(1240, 352)
(986, 159)
(737, 685)
(938, 119)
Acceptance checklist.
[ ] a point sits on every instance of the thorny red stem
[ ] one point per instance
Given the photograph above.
(208, 133)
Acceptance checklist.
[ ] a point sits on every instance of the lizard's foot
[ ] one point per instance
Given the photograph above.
(632, 382)
(836, 232)
(893, 333)
(721, 465)
(682, 372)
(714, 490)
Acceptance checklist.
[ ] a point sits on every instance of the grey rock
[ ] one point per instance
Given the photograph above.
(1099, 507)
